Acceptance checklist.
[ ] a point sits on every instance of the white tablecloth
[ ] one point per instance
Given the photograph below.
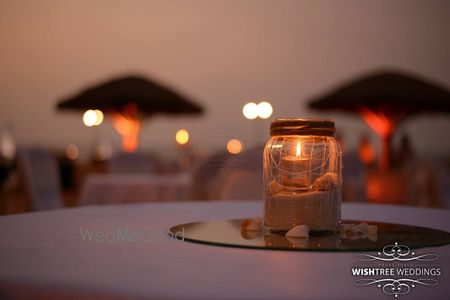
(43, 253)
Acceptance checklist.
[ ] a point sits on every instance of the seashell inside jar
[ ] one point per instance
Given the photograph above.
(302, 176)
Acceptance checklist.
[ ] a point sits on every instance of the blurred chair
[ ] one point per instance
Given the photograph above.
(241, 176)
(41, 178)
(132, 163)
(242, 185)
(205, 172)
(441, 166)
(426, 185)
(354, 178)
(134, 188)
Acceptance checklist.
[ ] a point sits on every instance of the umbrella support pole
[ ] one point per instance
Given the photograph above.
(385, 159)
(130, 143)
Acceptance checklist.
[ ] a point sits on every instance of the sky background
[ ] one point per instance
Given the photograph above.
(220, 53)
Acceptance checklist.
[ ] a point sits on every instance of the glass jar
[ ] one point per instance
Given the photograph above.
(302, 176)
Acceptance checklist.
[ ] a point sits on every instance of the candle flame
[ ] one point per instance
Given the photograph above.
(299, 150)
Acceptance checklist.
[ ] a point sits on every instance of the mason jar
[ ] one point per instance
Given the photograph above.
(302, 176)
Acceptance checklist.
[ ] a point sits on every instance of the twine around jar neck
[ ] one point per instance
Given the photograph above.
(301, 126)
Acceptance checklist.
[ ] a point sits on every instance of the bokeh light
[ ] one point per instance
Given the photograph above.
(264, 110)
(103, 152)
(7, 146)
(234, 146)
(92, 117)
(72, 152)
(250, 110)
(182, 136)
(89, 118)
(373, 190)
(99, 117)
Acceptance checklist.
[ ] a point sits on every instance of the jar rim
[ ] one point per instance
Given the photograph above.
(302, 126)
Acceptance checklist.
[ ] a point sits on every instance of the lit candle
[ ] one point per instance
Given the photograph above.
(296, 169)
(302, 176)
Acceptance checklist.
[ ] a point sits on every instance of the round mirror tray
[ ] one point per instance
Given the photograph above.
(228, 233)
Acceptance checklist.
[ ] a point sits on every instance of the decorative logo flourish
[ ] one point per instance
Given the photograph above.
(397, 252)
(396, 287)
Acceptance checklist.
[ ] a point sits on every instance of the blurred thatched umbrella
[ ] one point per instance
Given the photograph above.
(129, 100)
(383, 100)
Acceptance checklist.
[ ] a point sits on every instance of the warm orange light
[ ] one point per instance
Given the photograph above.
(366, 151)
(72, 152)
(298, 151)
(373, 190)
(182, 136)
(384, 126)
(379, 122)
(127, 125)
(234, 146)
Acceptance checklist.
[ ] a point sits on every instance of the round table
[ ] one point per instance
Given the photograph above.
(49, 254)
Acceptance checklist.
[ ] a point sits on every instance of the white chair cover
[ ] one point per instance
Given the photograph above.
(41, 178)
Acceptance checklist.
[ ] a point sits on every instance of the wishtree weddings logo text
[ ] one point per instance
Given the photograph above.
(397, 270)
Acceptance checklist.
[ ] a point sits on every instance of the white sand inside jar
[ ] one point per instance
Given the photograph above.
(319, 210)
